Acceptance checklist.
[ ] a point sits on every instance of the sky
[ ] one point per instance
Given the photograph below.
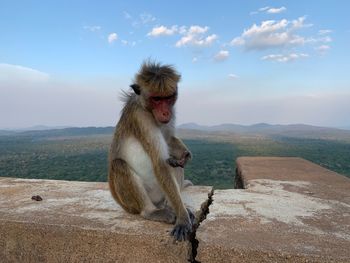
(65, 63)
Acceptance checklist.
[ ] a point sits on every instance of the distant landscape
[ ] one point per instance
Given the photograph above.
(81, 153)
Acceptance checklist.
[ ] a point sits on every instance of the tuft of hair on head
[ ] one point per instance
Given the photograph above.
(157, 78)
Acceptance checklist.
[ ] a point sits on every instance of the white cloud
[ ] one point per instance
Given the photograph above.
(128, 43)
(269, 10)
(237, 41)
(112, 37)
(322, 40)
(299, 23)
(271, 34)
(182, 30)
(276, 10)
(197, 30)
(127, 15)
(194, 60)
(325, 39)
(190, 36)
(264, 8)
(143, 19)
(210, 39)
(322, 49)
(232, 76)
(92, 28)
(285, 58)
(19, 74)
(147, 18)
(163, 31)
(324, 31)
(222, 55)
(195, 36)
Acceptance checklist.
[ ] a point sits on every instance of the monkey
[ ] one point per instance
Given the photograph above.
(146, 159)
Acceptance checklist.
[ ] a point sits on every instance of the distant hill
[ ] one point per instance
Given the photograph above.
(35, 128)
(6, 132)
(291, 130)
(194, 130)
(86, 131)
(43, 128)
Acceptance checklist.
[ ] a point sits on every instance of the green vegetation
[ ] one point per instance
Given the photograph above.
(83, 157)
(212, 163)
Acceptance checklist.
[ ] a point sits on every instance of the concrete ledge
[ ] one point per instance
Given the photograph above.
(291, 210)
(325, 183)
(80, 222)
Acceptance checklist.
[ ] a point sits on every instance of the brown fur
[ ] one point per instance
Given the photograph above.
(177, 148)
(124, 189)
(158, 79)
(118, 170)
(137, 121)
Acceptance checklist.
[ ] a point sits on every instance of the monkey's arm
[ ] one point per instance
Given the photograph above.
(179, 153)
(184, 217)
(177, 148)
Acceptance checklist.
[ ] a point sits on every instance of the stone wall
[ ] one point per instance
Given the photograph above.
(288, 210)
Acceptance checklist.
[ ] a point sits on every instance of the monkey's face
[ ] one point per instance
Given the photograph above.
(162, 107)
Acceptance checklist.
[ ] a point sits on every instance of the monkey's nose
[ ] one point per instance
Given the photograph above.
(165, 116)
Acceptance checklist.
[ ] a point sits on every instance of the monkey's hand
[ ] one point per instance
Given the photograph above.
(185, 157)
(182, 230)
(181, 162)
(174, 163)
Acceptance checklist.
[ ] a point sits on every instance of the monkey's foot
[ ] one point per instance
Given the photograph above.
(181, 232)
(162, 215)
(187, 183)
(191, 215)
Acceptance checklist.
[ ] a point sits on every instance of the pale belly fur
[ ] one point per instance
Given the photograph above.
(141, 165)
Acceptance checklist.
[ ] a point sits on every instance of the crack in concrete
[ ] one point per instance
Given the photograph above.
(238, 180)
(202, 215)
(204, 211)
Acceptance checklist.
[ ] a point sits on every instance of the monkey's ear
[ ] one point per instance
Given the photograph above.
(136, 88)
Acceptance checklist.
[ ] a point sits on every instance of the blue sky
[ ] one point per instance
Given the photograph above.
(65, 62)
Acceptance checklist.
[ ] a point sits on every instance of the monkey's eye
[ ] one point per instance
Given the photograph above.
(170, 97)
(156, 98)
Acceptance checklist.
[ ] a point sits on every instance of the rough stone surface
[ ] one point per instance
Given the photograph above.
(291, 210)
(80, 222)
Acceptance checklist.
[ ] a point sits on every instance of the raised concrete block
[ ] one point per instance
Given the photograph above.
(80, 222)
(291, 211)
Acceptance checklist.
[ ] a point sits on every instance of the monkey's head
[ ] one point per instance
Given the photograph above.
(156, 88)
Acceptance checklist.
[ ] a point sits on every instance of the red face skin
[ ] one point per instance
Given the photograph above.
(162, 107)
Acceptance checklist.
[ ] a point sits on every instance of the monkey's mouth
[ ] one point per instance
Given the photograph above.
(162, 116)
(164, 121)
